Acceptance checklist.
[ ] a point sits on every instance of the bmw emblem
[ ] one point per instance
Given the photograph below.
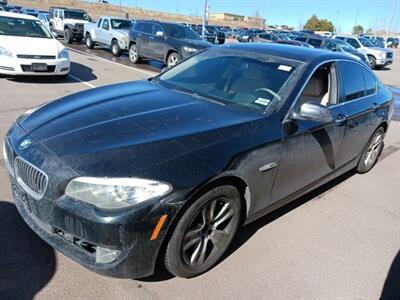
(25, 144)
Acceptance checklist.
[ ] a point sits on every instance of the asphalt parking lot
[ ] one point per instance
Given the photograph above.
(339, 242)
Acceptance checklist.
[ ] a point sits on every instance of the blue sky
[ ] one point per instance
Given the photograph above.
(373, 14)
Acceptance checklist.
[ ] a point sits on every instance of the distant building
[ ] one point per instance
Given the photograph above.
(234, 17)
(226, 16)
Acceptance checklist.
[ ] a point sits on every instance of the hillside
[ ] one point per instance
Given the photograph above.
(95, 10)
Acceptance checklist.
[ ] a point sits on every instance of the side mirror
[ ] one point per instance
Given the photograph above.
(335, 49)
(160, 34)
(313, 112)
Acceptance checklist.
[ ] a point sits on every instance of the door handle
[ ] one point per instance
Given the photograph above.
(340, 120)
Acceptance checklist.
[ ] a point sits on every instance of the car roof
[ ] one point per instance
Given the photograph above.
(302, 54)
(16, 15)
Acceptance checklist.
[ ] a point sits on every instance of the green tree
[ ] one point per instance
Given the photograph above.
(358, 29)
(369, 31)
(316, 24)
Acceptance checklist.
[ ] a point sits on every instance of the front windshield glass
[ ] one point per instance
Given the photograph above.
(365, 42)
(180, 32)
(23, 27)
(244, 79)
(76, 15)
(120, 24)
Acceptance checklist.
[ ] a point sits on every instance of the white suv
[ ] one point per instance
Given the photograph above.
(68, 23)
(377, 57)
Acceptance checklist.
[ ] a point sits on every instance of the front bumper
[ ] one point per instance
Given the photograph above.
(78, 229)
(18, 66)
(384, 61)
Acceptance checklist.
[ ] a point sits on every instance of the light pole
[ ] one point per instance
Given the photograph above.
(391, 18)
(356, 19)
(337, 21)
(203, 30)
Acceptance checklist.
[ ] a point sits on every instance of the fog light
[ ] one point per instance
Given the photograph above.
(104, 255)
(64, 69)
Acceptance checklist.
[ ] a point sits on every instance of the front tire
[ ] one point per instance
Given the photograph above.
(204, 232)
(134, 54)
(372, 61)
(89, 41)
(115, 48)
(173, 59)
(68, 36)
(371, 152)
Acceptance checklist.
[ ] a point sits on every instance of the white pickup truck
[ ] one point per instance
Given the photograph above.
(108, 31)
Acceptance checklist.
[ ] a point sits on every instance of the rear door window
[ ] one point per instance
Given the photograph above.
(370, 83)
(148, 28)
(352, 81)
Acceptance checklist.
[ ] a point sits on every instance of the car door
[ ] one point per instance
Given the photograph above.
(143, 41)
(157, 43)
(58, 22)
(311, 150)
(104, 31)
(358, 95)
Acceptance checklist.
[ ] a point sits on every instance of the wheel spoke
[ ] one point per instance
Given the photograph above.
(203, 250)
(224, 214)
(218, 238)
(196, 252)
(191, 238)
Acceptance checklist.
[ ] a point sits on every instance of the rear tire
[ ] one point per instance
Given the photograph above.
(89, 41)
(372, 151)
(68, 36)
(204, 232)
(134, 55)
(115, 48)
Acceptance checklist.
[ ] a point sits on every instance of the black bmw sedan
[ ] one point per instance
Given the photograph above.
(124, 176)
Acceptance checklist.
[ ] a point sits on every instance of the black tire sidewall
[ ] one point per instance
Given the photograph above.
(361, 167)
(373, 64)
(174, 261)
(68, 36)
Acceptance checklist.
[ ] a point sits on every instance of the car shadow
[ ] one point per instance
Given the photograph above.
(26, 262)
(246, 232)
(78, 70)
(391, 287)
(383, 69)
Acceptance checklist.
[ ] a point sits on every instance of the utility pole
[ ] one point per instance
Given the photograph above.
(337, 21)
(391, 18)
(203, 30)
(356, 19)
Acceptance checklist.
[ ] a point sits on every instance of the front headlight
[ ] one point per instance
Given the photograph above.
(124, 40)
(63, 53)
(114, 193)
(5, 52)
(189, 49)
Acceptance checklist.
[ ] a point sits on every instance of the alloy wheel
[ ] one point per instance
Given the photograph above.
(133, 54)
(172, 60)
(209, 232)
(373, 150)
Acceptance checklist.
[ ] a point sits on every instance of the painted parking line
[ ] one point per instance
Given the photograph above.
(113, 62)
(82, 81)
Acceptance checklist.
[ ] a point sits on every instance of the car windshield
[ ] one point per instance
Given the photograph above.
(244, 79)
(120, 24)
(76, 15)
(345, 46)
(180, 32)
(23, 27)
(365, 42)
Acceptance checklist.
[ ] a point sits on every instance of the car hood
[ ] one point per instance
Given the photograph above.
(198, 44)
(138, 118)
(30, 46)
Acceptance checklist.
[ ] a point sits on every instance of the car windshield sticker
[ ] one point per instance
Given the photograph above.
(263, 101)
(284, 68)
